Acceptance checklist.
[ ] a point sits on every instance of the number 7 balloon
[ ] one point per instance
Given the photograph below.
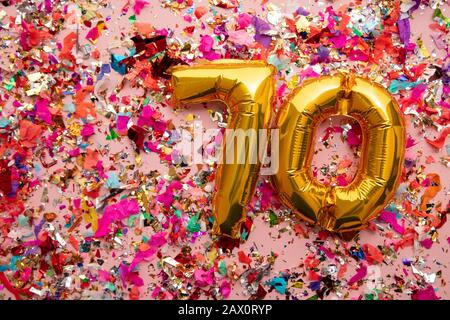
(247, 88)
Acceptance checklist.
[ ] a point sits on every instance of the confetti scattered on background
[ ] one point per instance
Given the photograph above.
(98, 199)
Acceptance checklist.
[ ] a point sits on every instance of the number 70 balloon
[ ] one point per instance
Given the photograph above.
(248, 89)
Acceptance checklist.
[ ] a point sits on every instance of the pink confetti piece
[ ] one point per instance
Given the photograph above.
(94, 34)
(361, 273)
(425, 294)
(122, 122)
(241, 37)
(43, 111)
(204, 278)
(88, 130)
(328, 253)
(244, 20)
(341, 180)
(139, 5)
(427, 243)
(339, 41)
(157, 240)
(358, 55)
(225, 288)
(390, 217)
(354, 136)
(206, 47)
(410, 142)
(116, 212)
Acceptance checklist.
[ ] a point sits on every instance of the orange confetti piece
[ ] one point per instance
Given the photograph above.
(91, 159)
(439, 142)
(83, 108)
(29, 133)
(431, 191)
(144, 28)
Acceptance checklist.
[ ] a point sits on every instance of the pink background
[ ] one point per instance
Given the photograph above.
(292, 249)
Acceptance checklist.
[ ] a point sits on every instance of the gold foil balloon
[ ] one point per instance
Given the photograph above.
(247, 88)
(348, 208)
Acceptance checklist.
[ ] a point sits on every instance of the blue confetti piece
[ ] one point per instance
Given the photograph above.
(113, 181)
(359, 255)
(106, 68)
(115, 59)
(38, 168)
(69, 107)
(277, 63)
(4, 268)
(397, 85)
(83, 145)
(4, 122)
(279, 284)
(12, 265)
(314, 286)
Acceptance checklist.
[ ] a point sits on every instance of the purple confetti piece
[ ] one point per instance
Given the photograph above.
(404, 29)
(261, 27)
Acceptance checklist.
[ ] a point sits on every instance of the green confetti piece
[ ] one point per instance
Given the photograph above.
(146, 101)
(178, 213)
(8, 86)
(157, 55)
(23, 220)
(356, 31)
(132, 220)
(370, 296)
(110, 286)
(292, 47)
(438, 14)
(112, 135)
(132, 19)
(193, 225)
(147, 216)
(315, 297)
(50, 272)
(273, 218)
(222, 268)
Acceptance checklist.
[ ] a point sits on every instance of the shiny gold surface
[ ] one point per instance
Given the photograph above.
(347, 208)
(247, 87)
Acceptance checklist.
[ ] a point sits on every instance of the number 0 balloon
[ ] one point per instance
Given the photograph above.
(247, 87)
(351, 207)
